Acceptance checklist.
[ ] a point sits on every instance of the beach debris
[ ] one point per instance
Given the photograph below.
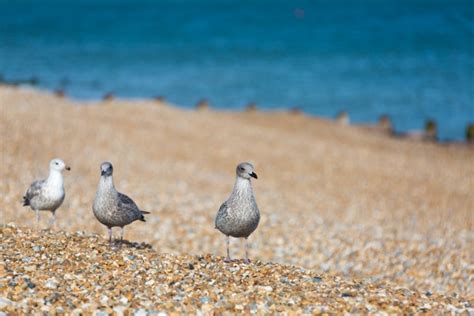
(32, 81)
(251, 107)
(202, 104)
(343, 118)
(470, 133)
(61, 93)
(430, 133)
(431, 130)
(109, 96)
(385, 124)
(160, 98)
(295, 110)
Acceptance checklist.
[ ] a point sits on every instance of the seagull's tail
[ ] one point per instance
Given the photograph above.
(26, 201)
(142, 218)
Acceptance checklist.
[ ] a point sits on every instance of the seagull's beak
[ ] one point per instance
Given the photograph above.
(253, 175)
(68, 168)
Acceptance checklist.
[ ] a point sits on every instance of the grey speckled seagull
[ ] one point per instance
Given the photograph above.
(112, 208)
(47, 194)
(239, 215)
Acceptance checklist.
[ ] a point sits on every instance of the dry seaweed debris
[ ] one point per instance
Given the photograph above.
(60, 272)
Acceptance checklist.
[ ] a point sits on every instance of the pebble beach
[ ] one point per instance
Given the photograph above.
(351, 220)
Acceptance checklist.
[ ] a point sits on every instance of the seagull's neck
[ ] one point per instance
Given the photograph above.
(55, 178)
(106, 184)
(242, 187)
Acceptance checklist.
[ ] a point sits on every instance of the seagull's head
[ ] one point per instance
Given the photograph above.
(58, 165)
(106, 169)
(245, 170)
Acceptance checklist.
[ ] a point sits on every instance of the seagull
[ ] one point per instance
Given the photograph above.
(112, 208)
(239, 215)
(47, 194)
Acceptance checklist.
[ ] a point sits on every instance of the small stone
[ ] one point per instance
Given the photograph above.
(266, 288)
(317, 279)
(59, 309)
(4, 302)
(205, 299)
(51, 283)
(50, 299)
(149, 282)
(30, 268)
(124, 300)
(178, 298)
(120, 310)
(37, 248)
(45, 309)
(140, 312)
(426, 307)
(285, 280)
(29, 284)
(76, 312)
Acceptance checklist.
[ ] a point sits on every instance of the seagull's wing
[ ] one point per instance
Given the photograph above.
(33, 190)
(222, 210)
(222, 213)
(126, 204)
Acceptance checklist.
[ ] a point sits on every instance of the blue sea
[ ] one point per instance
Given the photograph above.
(412, 60)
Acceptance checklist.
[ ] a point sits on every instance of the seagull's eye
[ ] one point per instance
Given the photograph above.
(242, 169)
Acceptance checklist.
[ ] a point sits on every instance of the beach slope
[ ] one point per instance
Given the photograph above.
(338, 200)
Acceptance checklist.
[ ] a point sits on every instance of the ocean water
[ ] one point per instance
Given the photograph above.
(412, 60)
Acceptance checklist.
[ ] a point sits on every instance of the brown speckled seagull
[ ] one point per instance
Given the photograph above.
(112, 208)
(239, 216)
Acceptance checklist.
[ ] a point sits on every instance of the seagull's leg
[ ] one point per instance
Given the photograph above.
(37, 219)
(247, 260)
(110, 235)
(52, 223)
(227, 242)
(121, 236)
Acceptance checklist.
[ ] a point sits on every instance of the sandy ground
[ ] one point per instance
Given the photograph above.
(334, 199)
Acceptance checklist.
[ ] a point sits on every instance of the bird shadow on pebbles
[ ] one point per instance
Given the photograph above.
(79, 238)
(117, 244)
